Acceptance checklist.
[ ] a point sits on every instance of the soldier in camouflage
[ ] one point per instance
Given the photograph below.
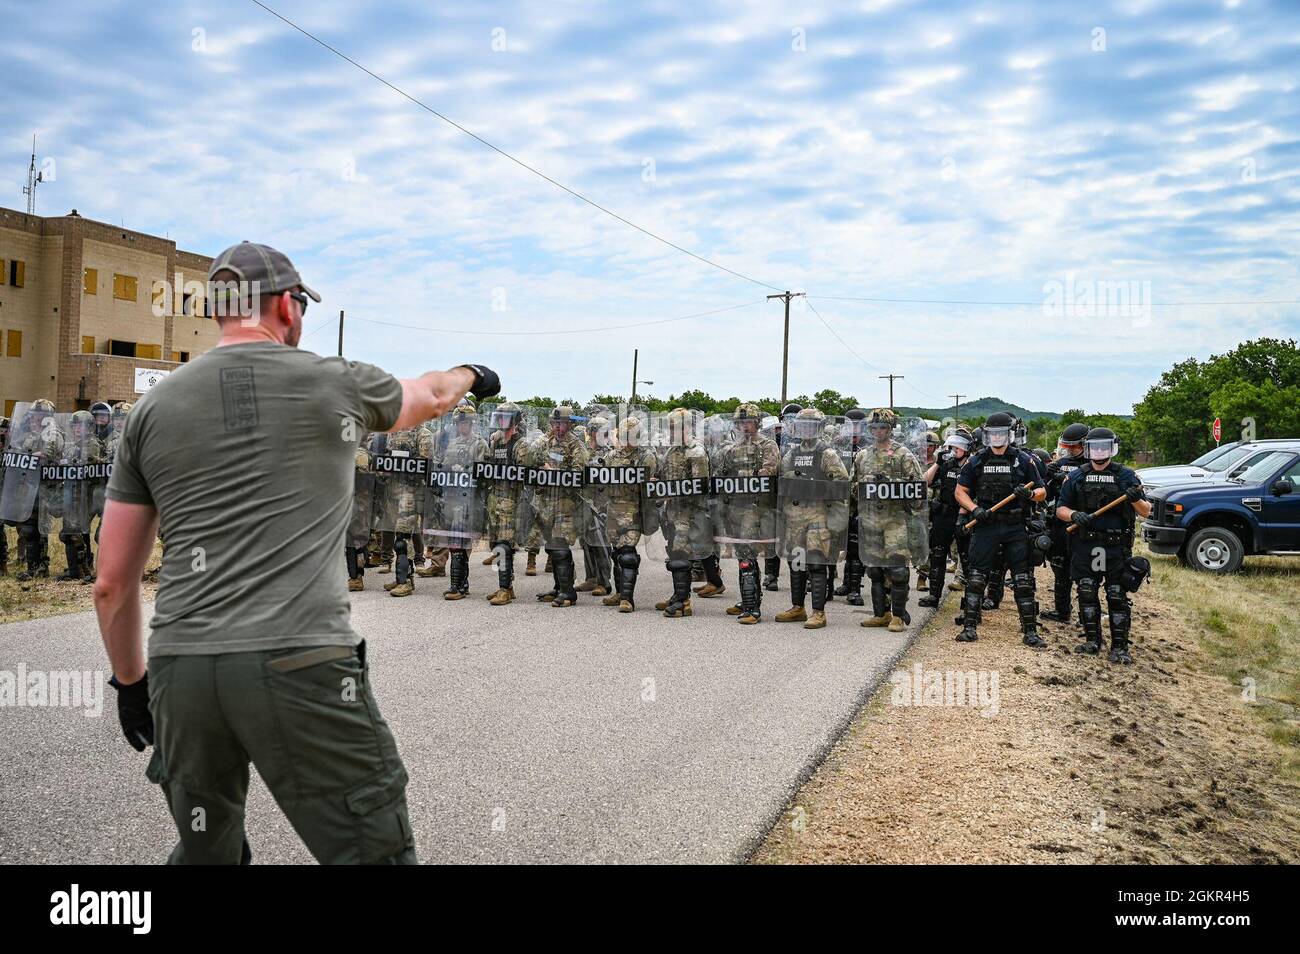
(772, 563)
(506, 446)
(462, 452)
(556, 507)
(404, 498)
(745, 518)
(886, 527)
(628, 515)
(814, 515)
(37, 434)
(684, 520)
(597, 552)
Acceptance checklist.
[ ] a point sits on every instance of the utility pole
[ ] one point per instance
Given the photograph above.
(956, 406)
(785, 348)
(340, 332)
(892, 379)
(635, 352)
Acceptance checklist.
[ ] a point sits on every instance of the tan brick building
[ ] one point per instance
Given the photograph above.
(87, 309)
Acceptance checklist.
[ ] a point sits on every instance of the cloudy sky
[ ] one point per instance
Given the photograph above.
(1030, 155)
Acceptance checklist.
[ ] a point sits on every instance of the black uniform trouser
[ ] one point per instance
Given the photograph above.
(1059, 560)
(1095, 565)
(943, 528)
(994, 546)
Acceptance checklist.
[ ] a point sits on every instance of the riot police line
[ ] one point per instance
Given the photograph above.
(55, 466)
(869, 492)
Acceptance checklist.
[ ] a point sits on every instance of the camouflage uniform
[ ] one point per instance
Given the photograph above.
(556, 507)
(685, 520)
(747, 526)
(363, 503)
(813, 515)
(34, 432)
(627, 514)
(507, 446)
(83, 446)
(888, 536)
(404, 497)
(596, 548)
(457, 512)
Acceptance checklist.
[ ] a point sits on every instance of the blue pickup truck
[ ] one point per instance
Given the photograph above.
(1212, 527)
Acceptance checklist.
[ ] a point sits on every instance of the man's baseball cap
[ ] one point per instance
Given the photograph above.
(271, 269)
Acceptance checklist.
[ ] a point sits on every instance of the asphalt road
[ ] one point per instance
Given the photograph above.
(531, 734)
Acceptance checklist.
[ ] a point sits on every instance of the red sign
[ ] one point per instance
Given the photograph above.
(1218, 430)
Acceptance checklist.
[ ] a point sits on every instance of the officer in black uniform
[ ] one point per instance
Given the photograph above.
(1101, 551)
(853, 438)
(1069, 458)
(944, 509)
(994, 473)
(772, 564)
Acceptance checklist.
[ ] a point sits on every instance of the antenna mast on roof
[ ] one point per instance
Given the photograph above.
(34, 179)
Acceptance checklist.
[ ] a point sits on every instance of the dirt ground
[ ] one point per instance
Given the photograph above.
(1084, 762)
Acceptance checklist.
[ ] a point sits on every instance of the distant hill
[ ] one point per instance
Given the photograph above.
(981, 408)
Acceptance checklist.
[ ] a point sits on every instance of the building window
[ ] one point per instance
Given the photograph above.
(185, 356)
(9, 406)
(17, 273)
(124, 287)
(90, 281)
(87, 344)
(15, 344)
(122, 349)
(187, 303)
(151, 351)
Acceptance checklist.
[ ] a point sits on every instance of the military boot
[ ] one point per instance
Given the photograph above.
(613, 599)
(819, 585)
(879, 605)
(531, 568)
(626, 574)
(751, 593)
(679, 604)
(1061, 598)
(73, 572)
(458, 578)
(898, 590)
(563, 569)
(713, 584)
(972, 603)
(771, 573)
(798, 593)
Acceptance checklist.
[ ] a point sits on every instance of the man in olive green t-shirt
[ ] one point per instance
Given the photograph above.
(244, 459)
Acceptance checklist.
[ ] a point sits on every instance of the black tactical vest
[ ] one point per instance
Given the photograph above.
(947, 474)
(1099, 488)
(997, 479)
(1058, 471)
(807, 463)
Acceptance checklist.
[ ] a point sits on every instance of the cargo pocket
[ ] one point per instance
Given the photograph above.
(383, 828)
(154, 771)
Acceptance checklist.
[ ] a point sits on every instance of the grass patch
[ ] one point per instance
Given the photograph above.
(1249, 625)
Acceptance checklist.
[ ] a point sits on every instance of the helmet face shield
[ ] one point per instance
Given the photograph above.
(1101, 448)
(502, 420)
(997, 436)
(805, 428)
(957, 441)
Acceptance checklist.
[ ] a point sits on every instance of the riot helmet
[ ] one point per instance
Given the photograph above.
(997, 429)
(1100, 445)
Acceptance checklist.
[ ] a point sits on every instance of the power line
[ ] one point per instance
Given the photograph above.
(574, 331)
(851, 350)
(1039, 304)
(502, 152)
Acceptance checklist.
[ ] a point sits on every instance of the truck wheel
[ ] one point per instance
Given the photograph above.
(1215, 550)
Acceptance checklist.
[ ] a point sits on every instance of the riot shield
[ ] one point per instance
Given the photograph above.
(400, 462)
(812, 496)
(71, 475)
(502, 471)
(363, 498)
(892, 512)
(679, 491)
(556, 460)
(32, 433)
(745, 478)
(455, 516)
(910, 432)
(616, 479)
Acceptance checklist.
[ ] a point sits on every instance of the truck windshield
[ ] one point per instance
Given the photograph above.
(1211, 455)
(1261, 471)
(1224, 461)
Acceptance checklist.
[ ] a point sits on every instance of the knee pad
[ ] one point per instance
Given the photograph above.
(876, 574)
(628, 558)
(899, 575)
(1116, 597)
(1023, 585)
(1088, 590)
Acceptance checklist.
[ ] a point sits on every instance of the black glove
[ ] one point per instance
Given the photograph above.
(981, 514)
(486, 382)
(133, 712)
(1080, 519)
(1023, 493)
(1135, 493)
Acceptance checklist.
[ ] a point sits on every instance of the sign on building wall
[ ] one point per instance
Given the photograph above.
(146, 378)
